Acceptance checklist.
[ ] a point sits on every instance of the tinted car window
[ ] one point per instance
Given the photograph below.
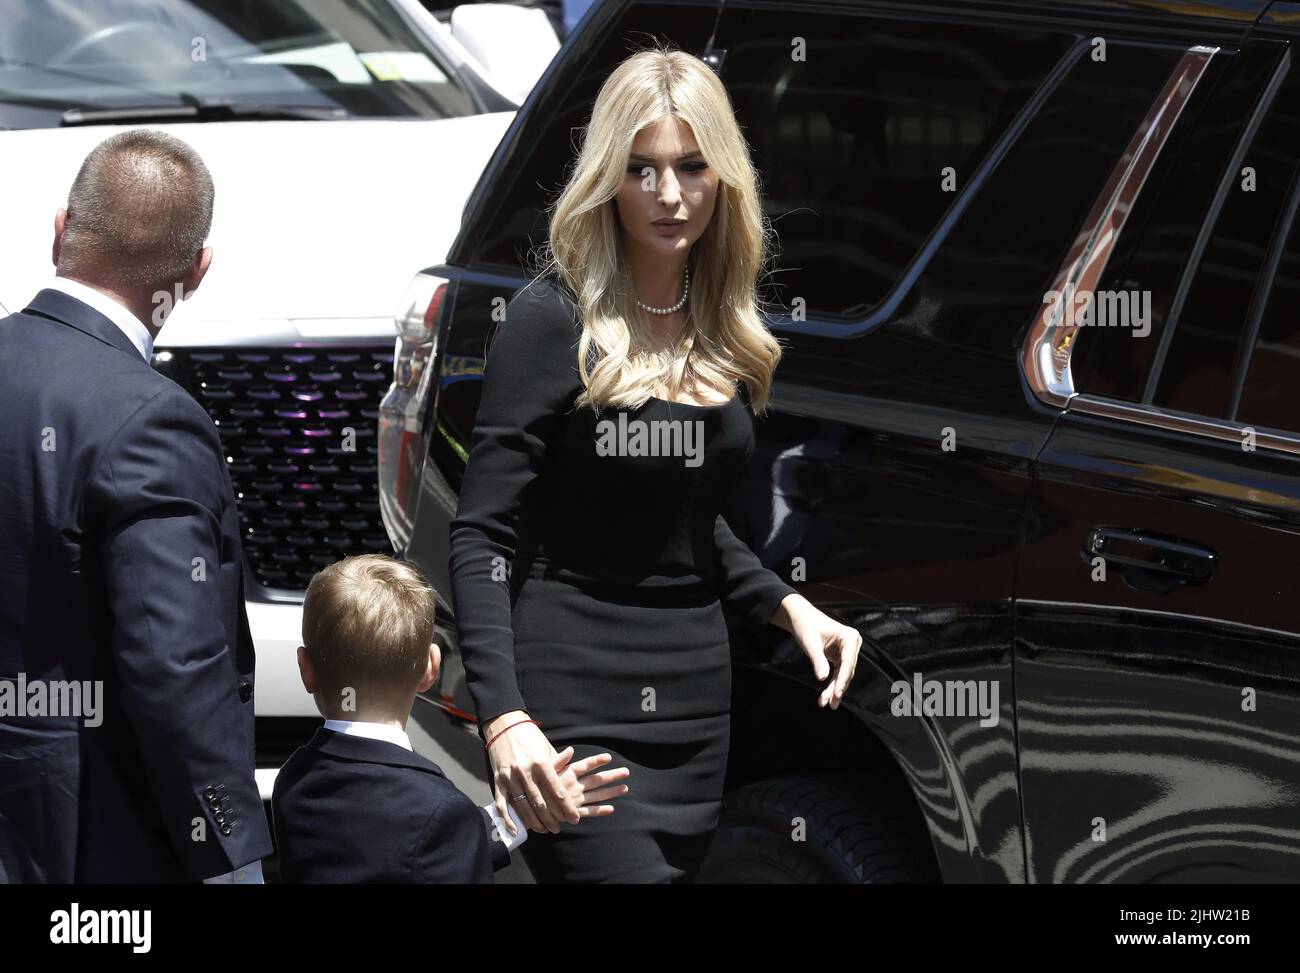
(1271, 394)
(1153, 251)
(1196, 248)
(852, 121)
(1204, 355)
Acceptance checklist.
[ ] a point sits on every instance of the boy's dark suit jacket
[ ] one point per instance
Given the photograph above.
(352, 809)
(120, 562)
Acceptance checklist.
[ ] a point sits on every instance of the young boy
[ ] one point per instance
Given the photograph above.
(357, 804)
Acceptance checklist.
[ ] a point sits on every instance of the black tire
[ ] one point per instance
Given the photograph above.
(851, 835)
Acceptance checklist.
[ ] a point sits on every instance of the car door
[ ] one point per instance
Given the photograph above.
(912, 164)
(1157, 659)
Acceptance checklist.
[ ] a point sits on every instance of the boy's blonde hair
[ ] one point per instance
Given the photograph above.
(367, 622)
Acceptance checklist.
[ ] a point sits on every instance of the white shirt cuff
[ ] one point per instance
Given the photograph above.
(250, 874)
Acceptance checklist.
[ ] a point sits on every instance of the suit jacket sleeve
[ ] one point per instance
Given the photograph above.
(156, 499)
(529, 380)
(454, 845)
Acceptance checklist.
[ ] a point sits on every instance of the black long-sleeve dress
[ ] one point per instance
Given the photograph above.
(587, 573)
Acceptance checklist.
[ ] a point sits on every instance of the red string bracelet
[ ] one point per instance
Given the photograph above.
(510, 727)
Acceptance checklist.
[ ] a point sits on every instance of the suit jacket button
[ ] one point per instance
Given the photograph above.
(245, 691)
(226, 829)
(209, 792)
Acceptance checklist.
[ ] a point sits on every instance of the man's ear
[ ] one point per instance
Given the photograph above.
(194, 276)
(306, 670)
(60, 224)
(431, 669)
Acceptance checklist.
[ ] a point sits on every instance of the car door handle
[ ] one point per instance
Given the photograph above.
(1131, 547)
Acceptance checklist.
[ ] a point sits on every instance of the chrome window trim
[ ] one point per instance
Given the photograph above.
(1045, 359)
(1150, 415)
(1049, 344)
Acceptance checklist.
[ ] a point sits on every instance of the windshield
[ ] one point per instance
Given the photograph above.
(62, 61)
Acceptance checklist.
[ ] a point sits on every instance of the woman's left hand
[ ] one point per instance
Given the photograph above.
(832, 648)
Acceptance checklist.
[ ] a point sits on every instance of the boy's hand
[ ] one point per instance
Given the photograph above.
(589, 786)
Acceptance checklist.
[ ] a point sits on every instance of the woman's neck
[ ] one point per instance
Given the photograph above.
(656, 281)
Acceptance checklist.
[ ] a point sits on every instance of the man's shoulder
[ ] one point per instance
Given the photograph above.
(40, 336)
(88, 376)
(172, 400)
(162, 417)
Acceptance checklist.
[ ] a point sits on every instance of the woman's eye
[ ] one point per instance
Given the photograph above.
(642, 169)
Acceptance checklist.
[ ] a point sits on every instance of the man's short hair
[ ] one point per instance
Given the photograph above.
(139, 212)
(367, 622)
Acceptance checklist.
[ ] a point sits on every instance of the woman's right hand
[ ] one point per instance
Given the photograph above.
(523, 764)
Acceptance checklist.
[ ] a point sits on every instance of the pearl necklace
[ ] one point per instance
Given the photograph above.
(676, 307)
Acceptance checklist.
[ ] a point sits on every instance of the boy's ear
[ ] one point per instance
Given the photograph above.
(432, 668)
(306, 670)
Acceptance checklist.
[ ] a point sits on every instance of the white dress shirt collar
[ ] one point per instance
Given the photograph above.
(127, 323)
(375, 731)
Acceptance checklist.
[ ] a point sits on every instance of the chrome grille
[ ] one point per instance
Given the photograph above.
(305, 498)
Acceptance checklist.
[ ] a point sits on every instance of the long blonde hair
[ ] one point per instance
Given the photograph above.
(724, 340)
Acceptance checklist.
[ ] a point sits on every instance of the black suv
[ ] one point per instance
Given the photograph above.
(1034, 433)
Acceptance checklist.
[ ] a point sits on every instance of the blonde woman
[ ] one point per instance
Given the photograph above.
(590, 559)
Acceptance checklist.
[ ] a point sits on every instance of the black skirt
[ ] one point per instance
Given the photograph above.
(646, 677)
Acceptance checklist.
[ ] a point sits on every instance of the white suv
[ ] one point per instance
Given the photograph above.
(343, 138)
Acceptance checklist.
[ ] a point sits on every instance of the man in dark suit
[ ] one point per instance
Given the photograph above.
(120, 560)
